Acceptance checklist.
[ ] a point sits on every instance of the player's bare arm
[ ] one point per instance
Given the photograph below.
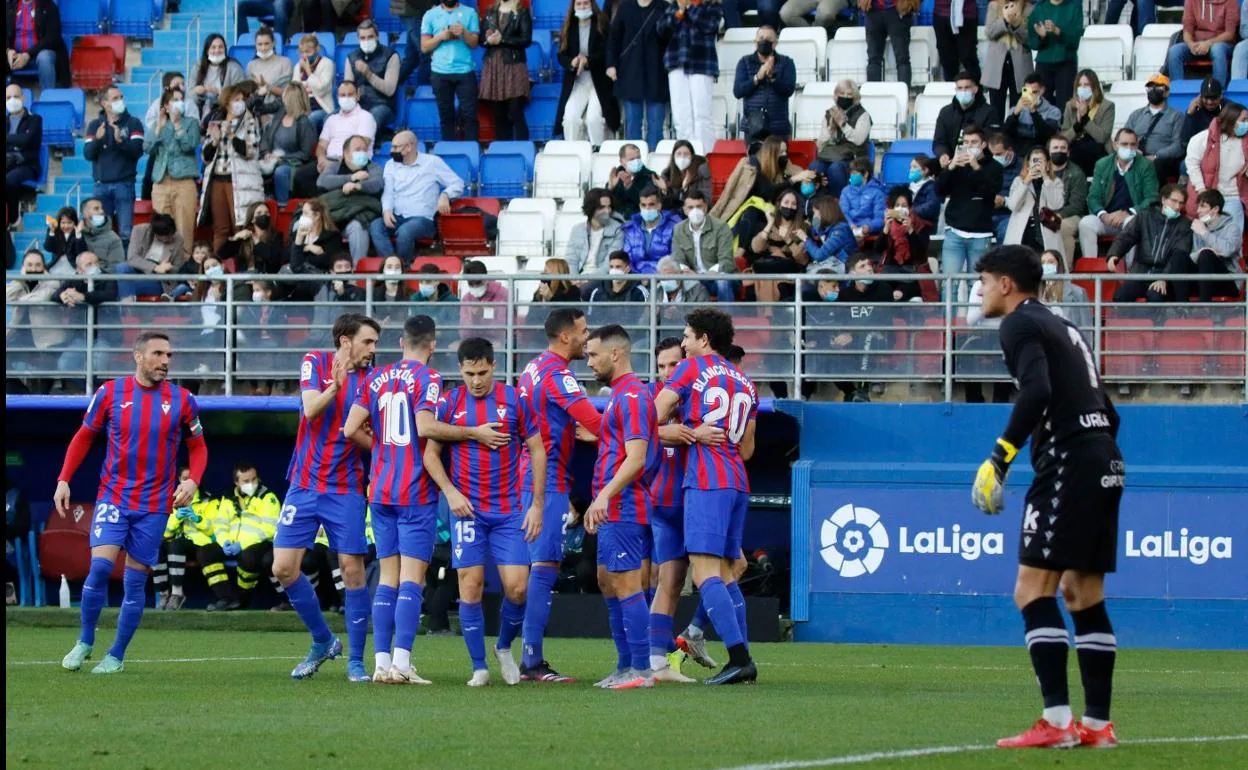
(315, 402)
(357, 427)
(455, 500)
(629, 470)
(430, 428)
(746, 447)
(537, 462)
(676, 435)
(666, 404)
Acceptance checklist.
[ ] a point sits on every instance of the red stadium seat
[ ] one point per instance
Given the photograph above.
(299, 329)
(92, 67)
(65, 544)
(722, 165)
(730, 146)
(463, 235)
(488, 205)
(928, 346)
(1198, 336)
(142, 212)
(802, 152)
(285, 216)
(114, 43)
(1096, 265)
(368, 265)
(1231, 343)
(447, 264)
(1135, 338)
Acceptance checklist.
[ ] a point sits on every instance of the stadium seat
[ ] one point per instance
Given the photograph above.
(802, 152)
(521, 233)
(249, 38)
(1237, 91)
(83, 17)
(65, 544)
(734, 146)
(548, 14)
(488, 205)
(243, 54)
(1128, 345)
(447, 264)
(114, 43)
(927, 108)
(1150, 49)
(600, 168)
(1182, 92)
(422, 115)
(386, 21)
(341, 52)
(928, 346)
(1106, 48)
(722, 165)
(806, 47)
(923, 56)
(463, 157)
(540, 112)
(886, 103)
(564, 222)
(582, 150)
(667, 145)
(555, 176)
(547, 207)
(847, 55)
(462, 234)
(1085, 265)
(59, 123)
(507, 169)
(736, 43)
(535, 57)
(1231, 342)
(571, 205)
(810, 107)
(1185, 336)
(895, 168)
(132, 19)
(502, 264)
(92, 67)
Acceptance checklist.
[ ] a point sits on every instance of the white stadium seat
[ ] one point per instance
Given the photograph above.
(1127, 87)
(886, 103)
(600, 168)
(521, 233)
(667, 145)
(738, 42)
(926, 108)
(1106, 48)
(571, 205)
(806, 47)
(505, 264)
(547, 207)
(582, 149)
(940, 88)
(558, 176)
(1151, 48)
(564, 222)
(724, 115)
(847, 54)
(658, 161)
(612, 147)
(1124, 105)
(811, 104)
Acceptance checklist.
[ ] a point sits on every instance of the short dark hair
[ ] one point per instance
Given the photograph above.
(1125, 130)
(1171, 189)
(621, 255)
(715, 325)
(1021, 264)
(667, 343)
(694, 194)
(972, 129)
(419, 331)
(243, 465)
(560, 320)
(1033, 79)
(899, 192)
(593, 200)
(162, 225)
(430, 268)
(474, 267)
(1002, 140)
(67, 212)
(475, 349)
(735, 354)
(1212, 198)
(611, 333)
(863, 166)
(966, 75)
(342, 258)
(649, 191)
(85, 201)
(169, 77)
(349, 324)
(140, 342)
(266, 31)
(857, 259)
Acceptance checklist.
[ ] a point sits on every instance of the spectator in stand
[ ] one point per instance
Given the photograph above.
(907, 238)
(1054, 30)
(431, 289)
(764, 82)
(1157, 242)
(317, 243)
(1159, 126)
(956, 23)
(968, 108)
(593, 240)
(114, 144)
(702, 245)
(1034, 119)
(1075, 187)
(64, 242)
(1036, 195)
(259, 9)
(555, 289)
(412, 12)
(615, 288)
(448, 33)
(635, 51)
(1007, 62)
(780, 247)
(982, 337)
(1216, 161)
(628, 179)
(1065, 299)
(761, 174)
(343, 291)
(34, 312)
(891, 19)
(1088, 122)
(971, 182)
(1203, 110)
(157, 250)
(1002, 149)
(1143, 13)
(23, 131)
(374, 68)
(844, 136)
(257, 247)
(864, 293)
(77, 294)
(831, 241)
(1239, 59)
(315, 75)
(648, 234)
(587, 102)
(213, 72)
(416, 187)
(677, 293)
(482, 303)
(82, 289)
(689, 30)
(392, 290)
(794, 13)
(924, 196)
(1122, 186)
(350, 120)
(96, 230)
(231, 164)
(862, 200)
(686, 171)
(768, 12)
(1217, 246)
(174, 80)
(1209, 28)
(271, 72)
(505, 73)
(352, 194)
(171, 148)
(287, 149)
(33, 37)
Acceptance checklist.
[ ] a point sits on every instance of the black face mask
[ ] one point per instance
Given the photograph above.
(766, 48)
(262, 221)
(1059, 158)
(788, 212)
(783, 162)
(450, 3)
(396, 156)
(844, 102)
(1156, 96)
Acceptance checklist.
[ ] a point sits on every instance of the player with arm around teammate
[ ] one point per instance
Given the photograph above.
(482, 489)
(1069, 536)
(143, 417)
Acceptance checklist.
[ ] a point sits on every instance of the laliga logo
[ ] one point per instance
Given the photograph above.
(853, 541)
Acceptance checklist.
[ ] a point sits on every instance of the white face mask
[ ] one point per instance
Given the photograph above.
(347, 103)
(682, 162)
(238, 108)
(118, 107)
(248, 489)
(1207, 218)
(974, 152)
(616, 271)
(670, 286)
(216, 58)
(474, 291)
(584, 14)
(697, 217)
(13, 104)
(93, 270)
(393, 271)
(368, 46)
(265, 54)
(303, 223)
(177, 107)
(902, 211)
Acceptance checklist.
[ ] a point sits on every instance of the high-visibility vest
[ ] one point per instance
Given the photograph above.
(199, 533)
(256, 517)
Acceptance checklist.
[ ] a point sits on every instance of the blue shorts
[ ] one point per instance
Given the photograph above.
(305, 511)
(549, 544)
(714, 521)
(405, 530)
(501, 533)
(668, 528)
(137, 532)
(622, 546)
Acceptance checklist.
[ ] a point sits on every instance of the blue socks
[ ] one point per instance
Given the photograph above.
(738, 604)
(636, 628)
(135, 582)
(537, 612)
(407, 614)
(720, 611)
(512, 619)
(472, 625)
(94, 597)
(356, 607)
(302, 597)
(615, 614)
(700, 619)
(383, 618)
(661, 640)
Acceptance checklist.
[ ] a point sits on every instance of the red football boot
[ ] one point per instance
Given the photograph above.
(1043, 735)
(1097, 739)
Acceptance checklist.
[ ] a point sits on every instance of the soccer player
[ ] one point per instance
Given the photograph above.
(628, 457)
(1069, 536)
(707, 389)
(550, 391)
(144, 417)
(326, 478)
(482, 490)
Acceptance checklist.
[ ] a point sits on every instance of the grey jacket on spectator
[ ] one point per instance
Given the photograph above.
(139, 256)
(999, 34)
(578, 245)
(334, 177)
(1163, 139)
(106, 244)
(1225, 238)
(229, 73)
(715, 244)
(306, 140)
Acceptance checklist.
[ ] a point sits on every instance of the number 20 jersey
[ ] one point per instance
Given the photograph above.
(714, 392)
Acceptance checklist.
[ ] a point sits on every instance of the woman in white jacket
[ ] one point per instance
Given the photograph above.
(1034, 191)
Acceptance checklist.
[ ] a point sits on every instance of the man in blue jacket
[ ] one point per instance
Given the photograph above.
(648, 235)
(114, 145)
(765, 80)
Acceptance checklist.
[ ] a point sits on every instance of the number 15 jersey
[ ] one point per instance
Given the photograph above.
(714, 392)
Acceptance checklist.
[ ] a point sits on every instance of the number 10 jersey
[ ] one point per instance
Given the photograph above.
(393, 395)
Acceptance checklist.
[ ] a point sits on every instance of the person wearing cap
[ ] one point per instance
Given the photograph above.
(1202, 111)
(1209, 28)
(1239, 59)
(1159, 127)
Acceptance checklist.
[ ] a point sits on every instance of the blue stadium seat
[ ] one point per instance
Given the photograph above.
(1237, 91)
(39, 184)
(72, 96)
(503, 176)
(340, 58)
(82, 17)
(895, 169)
(243, 53)
(526, 150)
(132, 19)
(249, 38)
(927, 8)
(58, 123)
(535, 54)
(422, 115)
(548, 14)
(387, 22)
(469, 151)
(1182, 92)
(353, 38)
(541, 110)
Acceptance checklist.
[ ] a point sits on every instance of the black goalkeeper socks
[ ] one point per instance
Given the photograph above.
(1097, 648)
(1048, 643)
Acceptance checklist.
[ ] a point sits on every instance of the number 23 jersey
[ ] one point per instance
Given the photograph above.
(714, 392)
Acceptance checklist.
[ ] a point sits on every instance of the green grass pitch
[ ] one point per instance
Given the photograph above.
(224, 699)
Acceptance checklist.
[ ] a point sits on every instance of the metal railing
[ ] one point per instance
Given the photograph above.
(191, 42)
(226, 339)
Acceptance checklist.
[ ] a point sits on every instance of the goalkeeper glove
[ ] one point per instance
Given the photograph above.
(989, 491)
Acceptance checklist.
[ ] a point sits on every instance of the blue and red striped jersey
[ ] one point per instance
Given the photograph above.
(669, 476)
(144, 429)
(630, 415)
(713, 391)
(489, 478)
(393, 396)
(325, 460)
(548, 388)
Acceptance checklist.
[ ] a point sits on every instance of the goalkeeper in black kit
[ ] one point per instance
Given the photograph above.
(1069, 537)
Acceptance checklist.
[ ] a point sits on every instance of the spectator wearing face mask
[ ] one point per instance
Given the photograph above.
(628, 179)
(64, 241)
(232, 178)
(764, 82)
(1075, 185)
(780, 247)
(114, 144)
(858, 300)
(35, 312)
(271, 72)
(171, 148)
(553, 287)
(416, 187)
(1217, 159)
(981, 338)
(1002, 149)
(287, 149)
(1088, 122)
(614, 289)
(907, 236)
(24, 136)
(831, 241)
(678, 291)
(96, 229)
(1066, 300)
(923, 193)
(1035, 195)
(212, 73)
(317, 243)
(350, 120)
(34, 39)
(1034, 118)
(482, 303)
(970, 182)
(587, 102)
(448, 33)
(968, 108)
(391, 291)
(1217, 248)
(686, 171)
(592, 241)
(843, 137)
(431, 289)
(824, 322)
(863, 200)
(177, 81)
(1159, 125)
(257, 247)
(353, 189)
(648, 234)
(156, 250)
(314, 75)
(1007, 62)
(77, 294)
(1156, 240)
(374, 68)
(340, 290)
(1122, 186)
(702, 245)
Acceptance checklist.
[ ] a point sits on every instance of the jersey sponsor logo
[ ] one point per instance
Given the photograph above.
(854, 540)
(1094, 420)
(1198, 549)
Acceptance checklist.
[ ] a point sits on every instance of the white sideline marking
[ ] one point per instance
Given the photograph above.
(1019, 667)
(165, 660)
(875, 756)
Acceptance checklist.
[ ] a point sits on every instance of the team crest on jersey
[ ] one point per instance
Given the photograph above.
(164, 407)
(502, 412)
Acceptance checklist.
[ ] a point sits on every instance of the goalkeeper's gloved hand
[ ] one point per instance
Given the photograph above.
(989, 491)
(186, 512)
